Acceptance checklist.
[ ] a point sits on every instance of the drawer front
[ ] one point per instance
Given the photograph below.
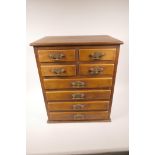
(56, 55)
(78, 116)
(96, 69)
(78, 106)
(58, 70)
(77, 83)
(78, 95)
(97, 54)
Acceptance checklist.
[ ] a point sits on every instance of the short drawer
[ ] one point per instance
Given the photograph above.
(56, 55)
(78, 116)
(78, 106)
(96, 69)
(77, 83)
(58, 70)
(78, 95)
(97, 54)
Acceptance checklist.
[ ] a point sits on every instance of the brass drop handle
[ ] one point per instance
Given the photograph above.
(78, 84)
(77, 96)
(95, 70)
(78, 106)
(57, 56)
(96, 55)
(79, 116)
(58, 71)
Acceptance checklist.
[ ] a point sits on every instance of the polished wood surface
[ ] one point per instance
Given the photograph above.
(78, 106)
(107, 54)
(77, 76)
(108, 69)
(86, 95)
(48, 70)
(76, 40)
(45, 55)
(76, 116)
(87, 83)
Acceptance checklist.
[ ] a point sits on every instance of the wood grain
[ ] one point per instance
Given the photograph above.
(47, 70)
(108, 69)
(108, 54)
(78, 106)
(65, 102)
(76, 116)
(44, 55)
(67, 83)
(76, 40)
(67, 95)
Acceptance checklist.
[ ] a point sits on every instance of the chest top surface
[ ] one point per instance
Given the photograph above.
(76, 40)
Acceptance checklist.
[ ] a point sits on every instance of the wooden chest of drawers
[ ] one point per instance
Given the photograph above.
(77, 75)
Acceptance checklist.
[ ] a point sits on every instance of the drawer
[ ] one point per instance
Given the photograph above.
(96, 69)
(78, 95)
(77, 83)
(78, 106)
(97, 54)
(58, 70)
(78, 116)
(56, 55)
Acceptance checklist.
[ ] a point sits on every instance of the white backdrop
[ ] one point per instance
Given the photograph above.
(76, 17)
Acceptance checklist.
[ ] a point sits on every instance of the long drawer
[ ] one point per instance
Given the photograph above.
(78, 95)
(78, 116)
(77, 83)
(78, 106)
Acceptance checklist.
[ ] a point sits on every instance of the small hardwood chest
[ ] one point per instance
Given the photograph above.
(77, 75)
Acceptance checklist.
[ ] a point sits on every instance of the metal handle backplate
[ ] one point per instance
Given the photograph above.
(58, 71)
(57, 56)
(95, 70)
(78, 106)
(96, 55)
(79, 116)
(78, 96)
(78, 84)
